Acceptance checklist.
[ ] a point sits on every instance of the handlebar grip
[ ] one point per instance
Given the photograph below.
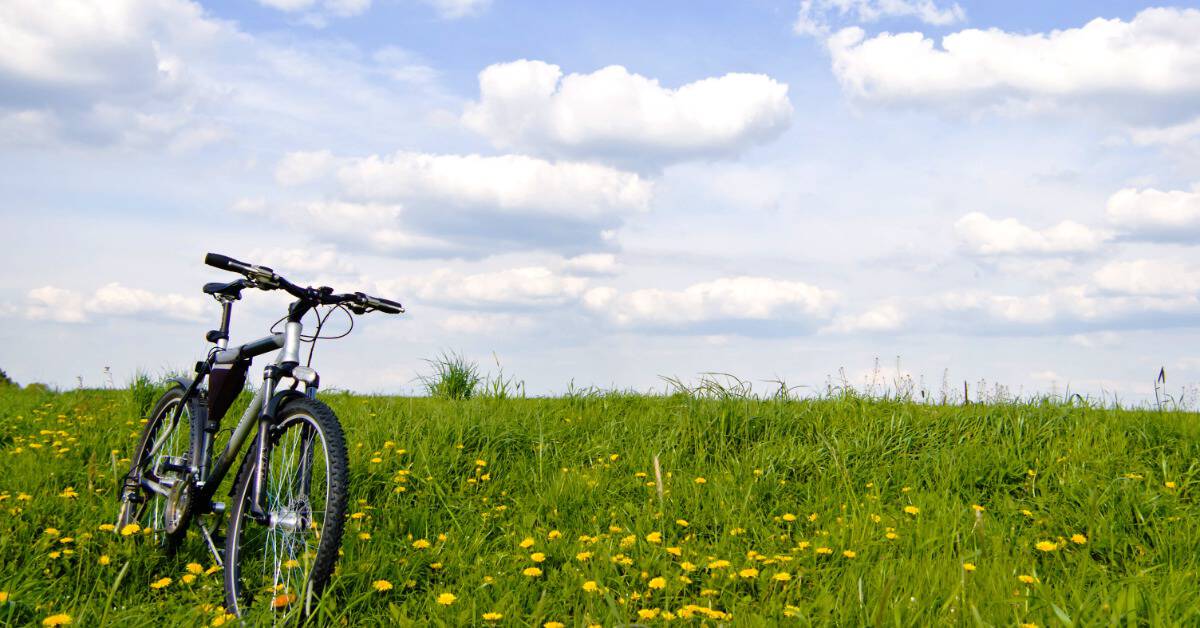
(224, 262)
(389, 306)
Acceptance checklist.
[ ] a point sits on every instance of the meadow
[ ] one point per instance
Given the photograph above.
(841, 510)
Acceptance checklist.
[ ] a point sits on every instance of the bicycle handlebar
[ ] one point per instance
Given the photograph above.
(264, 278)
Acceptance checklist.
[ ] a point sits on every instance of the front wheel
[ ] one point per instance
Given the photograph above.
(280, 563)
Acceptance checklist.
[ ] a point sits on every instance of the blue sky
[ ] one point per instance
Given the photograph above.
(1003, 193)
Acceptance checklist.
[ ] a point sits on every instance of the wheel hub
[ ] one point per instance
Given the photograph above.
(178, 507)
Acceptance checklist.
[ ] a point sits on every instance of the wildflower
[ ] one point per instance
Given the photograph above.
(446, 599)
(968, 566)
(435, 566)
(531, 572)
(382, 585)
(131, 529)
(69, 493)
(493, 616)
(3, 597)
(55, 555)
(61, 619)
(789, 517)
(825, 551)
(554, 534)
(648, 613)
(849, 553)
(212, 570)
(481, 463)
(912, 510)
(188, 578)
(1169, 484)
(583, 556)
(222, 618)
(160, 583)
(421, 544)
(782, 576)
(376, 460)
(718, 564)
(977, 508)
(1028, 624)
(364, 536)
(1027, 512)
(1027, 579)
(891, 536)
(195, 568)
(748, 572)
(687, 566)
(527, 543)
(590, 586)
(1078, 539)
(812, 517)
(104, 559)
(683, 523)
(1046, 546)
(658, 583)
(654, 537)
(537, 557)
(700, 481)
(554, 624)
(675, 551)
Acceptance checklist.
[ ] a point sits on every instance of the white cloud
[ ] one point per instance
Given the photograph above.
(509, 184)
(1070, 309)
(749, 305)
(377, 225)
(454, 9)
(592, 264)
(817, 16)
(617, 116)
(1159, 277)
(490, 324)
(1172, 135)
(1150, 214)
(300, 167)
(310, 260)
(881, 318)
(316, 10)
(1143, 68)
(516, 288)
(982, 235)
(110, 300)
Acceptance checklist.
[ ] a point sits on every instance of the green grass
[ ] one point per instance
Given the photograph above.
(584, 466)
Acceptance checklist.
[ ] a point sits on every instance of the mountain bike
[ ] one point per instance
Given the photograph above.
(288, 498)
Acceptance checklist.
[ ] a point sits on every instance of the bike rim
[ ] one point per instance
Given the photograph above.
(168, 443)
(275, 561)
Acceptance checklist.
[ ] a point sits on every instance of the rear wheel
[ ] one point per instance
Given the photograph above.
(160, 462)
(279, 565)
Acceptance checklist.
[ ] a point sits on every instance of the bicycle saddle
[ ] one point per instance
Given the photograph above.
(232, 289)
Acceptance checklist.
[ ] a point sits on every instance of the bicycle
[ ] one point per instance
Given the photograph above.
(289, 497)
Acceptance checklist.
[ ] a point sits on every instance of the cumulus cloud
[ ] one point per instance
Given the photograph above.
(513, 184)
(592, 264)
(314, 260)
(1070, 309)
(740, 305)
(474, 324)
(880, 318)
(315, 12)
(529, 287)
(982, 235)
(817, 17)
(1150, 214)
(111, 300)
(375, 225)
(1146, 68)
(1153, 277)
(620, 117)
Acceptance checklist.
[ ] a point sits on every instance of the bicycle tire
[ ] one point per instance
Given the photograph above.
(242, 543)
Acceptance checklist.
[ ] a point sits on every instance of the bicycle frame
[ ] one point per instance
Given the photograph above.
(259, 414)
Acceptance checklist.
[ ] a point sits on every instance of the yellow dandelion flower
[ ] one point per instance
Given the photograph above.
(1027, 579)
(104, 559)
(583, 556)
(891, 536)
(537, 557)
(1079, 539)
(718, 564)
(107, 527)
(748, 572)
(825, 551)
(3, 597)
(912, 510)
(682, 523)
(1028, 624)
(376, 460)
(648, 613)
(700, 481)
(654, 537)
(782, 576)
(687, 566)
(382, 585)
(658, 583)
(212, 570)
(849, 553)
(446, 599)
(977, 508)
(421, 544)
(527, 542)
(554, 624)
(531, 572)
(195, 568)
(675, 551)
(161, 583)
(812, 517)
(590, 586)
(1169, 484)
(481, 463)
(364, 536)
(554, 534)
(1046, 546)
(61, 619)
(493, 616)
(968, 566)
(188, 578)
(130, 529)
(51, 532)
(290, 563)
(1027, 512)
(789, 517)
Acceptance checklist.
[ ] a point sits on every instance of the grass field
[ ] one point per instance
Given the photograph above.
(842, 511)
